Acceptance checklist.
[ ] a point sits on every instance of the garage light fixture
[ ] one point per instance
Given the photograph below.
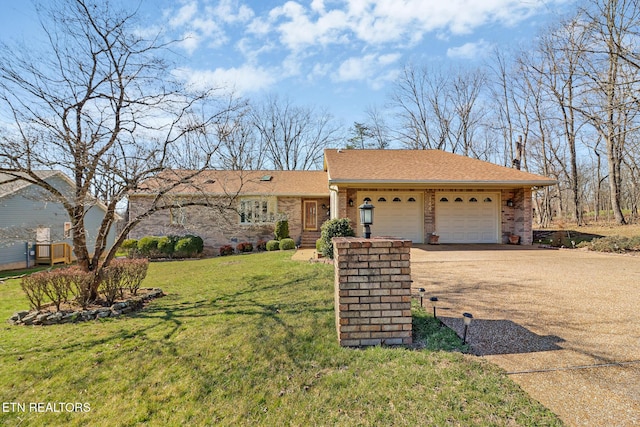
(350, 203)
(434, 303)
(510, 203)
(366, 217)
(421, 292)
(467, 317)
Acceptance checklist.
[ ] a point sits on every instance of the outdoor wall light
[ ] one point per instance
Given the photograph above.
(366, 217)
(350, 203)
(510, 203)
(434, 303)
(467, 317)
(421, 291)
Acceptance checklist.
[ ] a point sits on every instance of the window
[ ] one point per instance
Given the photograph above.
(444, 199)
(397, 199)
(488, 200)
(256, 210)
(473, 200)
(411, 199)
(458, 200)
(382, 199)
(177, 216)
(367, 200)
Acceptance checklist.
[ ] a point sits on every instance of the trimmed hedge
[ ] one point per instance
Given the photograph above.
(273, 245)
(287, 244)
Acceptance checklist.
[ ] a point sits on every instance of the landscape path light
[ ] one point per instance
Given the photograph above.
(434, 303)
(421, 291)
(468, 317)
(366, 217)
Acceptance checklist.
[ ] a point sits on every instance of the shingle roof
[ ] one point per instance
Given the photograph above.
(217, 182)
(427, 167)
(9, 184)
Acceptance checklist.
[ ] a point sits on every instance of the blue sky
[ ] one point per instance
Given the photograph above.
(342, 55)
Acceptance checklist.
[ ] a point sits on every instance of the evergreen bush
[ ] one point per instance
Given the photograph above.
(273, 245)
(287, 244)
(282, 229)
(338, 227)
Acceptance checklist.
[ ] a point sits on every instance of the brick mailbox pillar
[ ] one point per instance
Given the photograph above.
(372, 291)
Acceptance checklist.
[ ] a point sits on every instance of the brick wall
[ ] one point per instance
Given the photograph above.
(372, 291)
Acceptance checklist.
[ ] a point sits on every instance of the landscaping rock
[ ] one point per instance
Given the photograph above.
(19, 315)
(25, 317)
(103, 312)
(29, 318)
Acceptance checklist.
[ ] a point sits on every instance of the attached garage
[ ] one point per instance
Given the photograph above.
(468, 217)
(396, 214)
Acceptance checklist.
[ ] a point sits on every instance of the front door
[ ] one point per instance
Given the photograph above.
(310, 215)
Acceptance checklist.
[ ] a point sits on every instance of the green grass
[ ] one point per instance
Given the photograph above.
(245, 340)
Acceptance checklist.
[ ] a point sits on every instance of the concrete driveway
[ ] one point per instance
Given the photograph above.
(564, 324)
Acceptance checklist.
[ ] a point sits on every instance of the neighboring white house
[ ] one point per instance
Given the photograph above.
(29, 215)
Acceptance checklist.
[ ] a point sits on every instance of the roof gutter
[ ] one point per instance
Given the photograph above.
(448, 183)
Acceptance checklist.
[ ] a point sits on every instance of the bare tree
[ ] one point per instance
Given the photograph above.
(293, 137)
(466, 87)
(421, 99)
(612, 95)
(378, 128)
(99, 103)
(559, 53)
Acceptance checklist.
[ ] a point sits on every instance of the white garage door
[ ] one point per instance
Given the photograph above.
(467, 217)
(395, 214)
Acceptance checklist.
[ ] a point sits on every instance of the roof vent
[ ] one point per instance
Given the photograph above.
(210, 181)
(266, 178)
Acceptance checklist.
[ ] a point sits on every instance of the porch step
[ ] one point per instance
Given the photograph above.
(308, 239)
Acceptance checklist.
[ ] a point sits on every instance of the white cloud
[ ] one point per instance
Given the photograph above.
(471, 50)
(366, 67)
(386, 21)
(184, 14)
(241, 80)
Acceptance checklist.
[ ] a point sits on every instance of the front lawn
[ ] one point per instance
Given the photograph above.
(242, 340)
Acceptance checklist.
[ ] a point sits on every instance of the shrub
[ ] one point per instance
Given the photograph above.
(613, 244)
(273, 245)
(57, 287)
(148, 246)
(244, 247)
(287, 244)
(34, 286)
(133, 272)
(111, 282)
(226, 250)
(339, 227)
(282, 229)
(80, 284)
(189, 246)
(319, 246)
(166, 245)
(261, 245)
(130, 247)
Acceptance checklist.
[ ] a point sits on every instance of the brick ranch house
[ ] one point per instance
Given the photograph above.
(415, 193)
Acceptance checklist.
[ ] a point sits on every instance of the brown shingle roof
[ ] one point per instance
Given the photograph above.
(217, 182)
(427, 167)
